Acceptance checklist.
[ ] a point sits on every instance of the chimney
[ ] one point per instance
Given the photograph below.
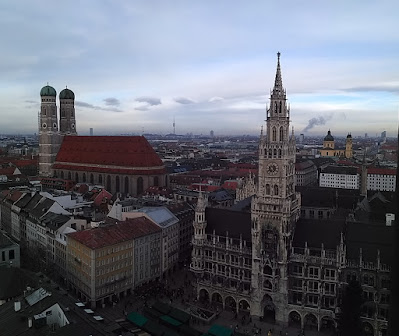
(17, 306)
(389, 218)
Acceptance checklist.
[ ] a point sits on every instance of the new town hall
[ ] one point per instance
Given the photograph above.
(284, 258)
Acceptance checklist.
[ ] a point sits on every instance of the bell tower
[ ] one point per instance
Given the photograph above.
(49, 139)
(275, 209)
(67, 112)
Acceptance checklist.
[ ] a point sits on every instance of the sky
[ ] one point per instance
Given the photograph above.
(135, 66)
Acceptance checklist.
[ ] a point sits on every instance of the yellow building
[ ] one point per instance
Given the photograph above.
(329, 148)
(108, 262)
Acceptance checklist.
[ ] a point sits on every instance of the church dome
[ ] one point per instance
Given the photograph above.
(67, 94)
(48, 91)
(329, 137)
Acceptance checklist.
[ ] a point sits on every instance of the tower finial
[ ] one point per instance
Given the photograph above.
(278, 83)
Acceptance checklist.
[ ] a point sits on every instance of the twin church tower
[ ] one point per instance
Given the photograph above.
(50, 132)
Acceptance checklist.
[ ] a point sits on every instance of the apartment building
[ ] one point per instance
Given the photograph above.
(107, 262)
(340, 177)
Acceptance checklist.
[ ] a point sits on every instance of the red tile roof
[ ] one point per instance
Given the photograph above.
(381, 171)
(131, 155)
(7, 171)
(116, 233)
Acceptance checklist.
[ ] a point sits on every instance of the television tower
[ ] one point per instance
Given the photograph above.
(174, 126)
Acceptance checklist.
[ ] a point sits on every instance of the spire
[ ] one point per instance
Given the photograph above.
(278, 83)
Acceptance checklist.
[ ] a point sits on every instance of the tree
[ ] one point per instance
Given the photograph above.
(349, 322)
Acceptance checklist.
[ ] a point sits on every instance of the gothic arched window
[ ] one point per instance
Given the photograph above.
(279, 153)
(274, 134)
(267, 189)
(275, 152)
(140, 185)
(267, 270)
(275, 189)
(270, 153)
(117, 184)
(109, 183)
(275, 107)
(126, 185)
(281, 107)
(281, 133)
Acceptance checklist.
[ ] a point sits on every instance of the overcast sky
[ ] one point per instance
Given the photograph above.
(136, 65)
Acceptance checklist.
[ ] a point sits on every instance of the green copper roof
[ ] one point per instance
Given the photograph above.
(48, 91)
(329, 137)
(67, 94)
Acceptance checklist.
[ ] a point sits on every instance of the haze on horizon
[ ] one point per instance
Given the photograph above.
(135, 66)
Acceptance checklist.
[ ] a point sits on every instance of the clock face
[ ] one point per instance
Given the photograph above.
(272, 169)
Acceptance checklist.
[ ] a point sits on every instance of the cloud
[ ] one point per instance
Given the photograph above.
(215, 99)
(149, 100)
(373, 88)
(320, 120)
(183, 100)
(83, 104)
(111, 101)
(95, 107)
(31, 102)
(142, 108)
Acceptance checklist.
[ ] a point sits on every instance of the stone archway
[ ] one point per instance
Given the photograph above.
(310, 322)
(327, 323)
(269, 309)
(368, 329)
(203, 295)
(243, 306)
(294, 319)
(217, 298)
(230, 303)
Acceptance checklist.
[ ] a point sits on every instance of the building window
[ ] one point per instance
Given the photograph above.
(297, 269)
(117, 184)
(313, 272)
(311, 213)
(140, 185)
(108, 182)
(313, 300)
(368, 280)
(274, 134)
(281, 129)
(329, 288)
(313, 286)
(276, 190)
(11, 254)
(329, 274)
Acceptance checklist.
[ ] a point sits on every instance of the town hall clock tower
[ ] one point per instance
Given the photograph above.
(275, 209)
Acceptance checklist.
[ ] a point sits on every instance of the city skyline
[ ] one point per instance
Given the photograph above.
(138, 67)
